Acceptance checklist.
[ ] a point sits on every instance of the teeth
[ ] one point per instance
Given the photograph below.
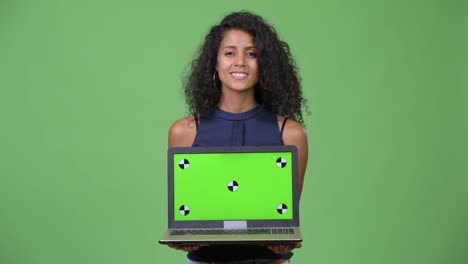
(239, 74)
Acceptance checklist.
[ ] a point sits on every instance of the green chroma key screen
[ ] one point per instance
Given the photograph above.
(233, 186)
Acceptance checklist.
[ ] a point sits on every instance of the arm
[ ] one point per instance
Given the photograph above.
(294, 134)
(182, 134)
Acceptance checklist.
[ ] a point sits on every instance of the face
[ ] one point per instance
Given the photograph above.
(237, 61)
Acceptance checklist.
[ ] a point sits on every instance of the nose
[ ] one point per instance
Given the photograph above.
(240, 62)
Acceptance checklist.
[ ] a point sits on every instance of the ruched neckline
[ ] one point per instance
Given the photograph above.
(237, 116)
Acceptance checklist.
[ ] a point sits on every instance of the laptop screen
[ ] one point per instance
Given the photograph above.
(232, 186)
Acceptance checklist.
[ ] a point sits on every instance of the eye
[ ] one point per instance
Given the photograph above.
(229, 53)
(251, 54)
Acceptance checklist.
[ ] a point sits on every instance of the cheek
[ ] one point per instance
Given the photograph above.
(254, 66)
(219, 64)
(256, 70)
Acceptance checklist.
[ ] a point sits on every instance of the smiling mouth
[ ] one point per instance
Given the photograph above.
(239, 75)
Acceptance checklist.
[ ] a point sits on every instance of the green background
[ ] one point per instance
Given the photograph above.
(88, 90)
(263, 186)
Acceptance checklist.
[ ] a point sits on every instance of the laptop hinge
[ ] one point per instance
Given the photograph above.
(235, 224)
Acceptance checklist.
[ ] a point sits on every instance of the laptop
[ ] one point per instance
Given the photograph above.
(232, 195)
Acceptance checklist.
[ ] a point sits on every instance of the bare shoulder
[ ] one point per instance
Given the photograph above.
(293, 133)
(182, 132)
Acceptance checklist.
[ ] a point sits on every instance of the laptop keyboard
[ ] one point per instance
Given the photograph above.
(250, 231)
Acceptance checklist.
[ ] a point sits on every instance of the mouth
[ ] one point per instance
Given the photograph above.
(239, 75)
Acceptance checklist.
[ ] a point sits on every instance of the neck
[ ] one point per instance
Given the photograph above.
(237, 102)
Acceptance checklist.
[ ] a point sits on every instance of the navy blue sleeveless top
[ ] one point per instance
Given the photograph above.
(252, 128)
(256, 127)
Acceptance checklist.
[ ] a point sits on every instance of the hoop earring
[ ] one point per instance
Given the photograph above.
(214, 80)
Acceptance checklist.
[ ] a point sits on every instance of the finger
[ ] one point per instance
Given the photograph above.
(280, 249)
(192, 248)
(185, 247)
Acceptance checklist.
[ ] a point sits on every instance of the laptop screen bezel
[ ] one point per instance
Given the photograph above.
(232, 149)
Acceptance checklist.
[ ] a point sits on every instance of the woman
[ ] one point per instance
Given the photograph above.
(243, 90)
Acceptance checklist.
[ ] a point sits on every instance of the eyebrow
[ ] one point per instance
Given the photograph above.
(235, 47)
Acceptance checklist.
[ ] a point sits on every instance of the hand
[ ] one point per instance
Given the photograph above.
(186, 247)
(282, 249)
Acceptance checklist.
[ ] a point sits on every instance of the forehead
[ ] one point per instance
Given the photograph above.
(237, 38)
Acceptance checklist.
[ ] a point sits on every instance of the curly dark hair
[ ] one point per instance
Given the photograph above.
(278, 87)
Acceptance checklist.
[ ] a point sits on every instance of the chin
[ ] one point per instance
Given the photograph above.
(240, 88)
